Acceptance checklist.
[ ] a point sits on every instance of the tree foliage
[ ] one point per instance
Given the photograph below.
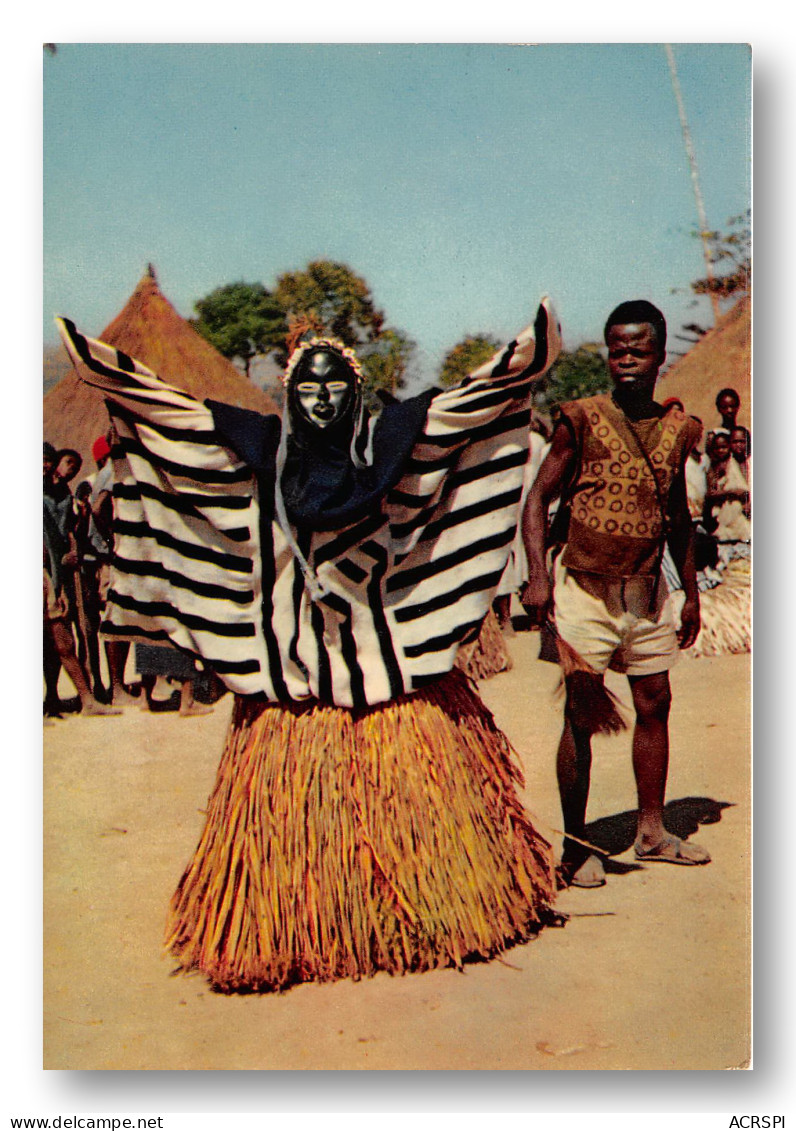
(334, 297)
(580, 373)
(245, 319)
(241, 320)
(466, 356)
(730, 252)
(385, 362)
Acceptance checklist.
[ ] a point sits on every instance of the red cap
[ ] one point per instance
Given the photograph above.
(100, 448)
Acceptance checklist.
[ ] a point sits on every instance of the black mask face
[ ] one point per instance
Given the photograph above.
(322, 391)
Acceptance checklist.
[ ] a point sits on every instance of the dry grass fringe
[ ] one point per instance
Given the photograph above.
(726, 614)
(591, 706)
(488, 654)
(341, 843)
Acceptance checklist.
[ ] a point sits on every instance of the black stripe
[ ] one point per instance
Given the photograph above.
(416, 574)
(348, 648)
(441, 643)
(500, 369)
(190, 620)
(324, 666)
(230, 667)
(480, 584)
(125, 362)
(541, 327)
(298, 589)
(461, 476)
(464, 439)
(233, 667)
(428, 466)
(420, 681)
(503, 364)
(482, 470)
(268, 574)
(500, 374)
(344, 542)
(109, 629)
(466, 514)
(185, 470)
(383, 634)
(488, 400)
(402, 529)
(82, 349)
(181, 581)
(148, 397)
(184, 500)
(453, 518)
(188, 549)
(179, 505)
(351, 570)
(506, 422)
(182, 435)
(453, 481)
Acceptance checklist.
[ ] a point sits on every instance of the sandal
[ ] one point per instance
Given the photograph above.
(672, 850)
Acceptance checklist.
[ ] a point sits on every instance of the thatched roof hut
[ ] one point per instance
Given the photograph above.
(721, 359)
(151, 330)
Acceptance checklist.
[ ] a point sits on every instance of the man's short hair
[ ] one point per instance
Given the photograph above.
(70, 452)
(635, 311)
(728, 393)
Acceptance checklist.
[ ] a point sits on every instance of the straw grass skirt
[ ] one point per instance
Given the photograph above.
(726, 613)
(488, 654)
(341, 843)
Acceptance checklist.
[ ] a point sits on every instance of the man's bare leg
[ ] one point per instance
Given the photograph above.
(573, 767)
(65, 645)
(117, 652)
(652, 699)
(188, 705)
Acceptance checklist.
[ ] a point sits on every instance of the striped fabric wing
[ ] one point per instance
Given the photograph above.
(405, 586)
(186, 564)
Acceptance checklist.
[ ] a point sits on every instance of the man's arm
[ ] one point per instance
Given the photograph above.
(558, 465)
(102, 510)
(681, 544)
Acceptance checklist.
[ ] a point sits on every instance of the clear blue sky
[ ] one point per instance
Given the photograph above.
(461, 180)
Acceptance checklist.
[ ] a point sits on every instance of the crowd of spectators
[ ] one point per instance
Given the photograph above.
(77, 550)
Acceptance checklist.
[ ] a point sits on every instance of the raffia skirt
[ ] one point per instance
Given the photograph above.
(726, 613)
(340, 843)
(488, 654)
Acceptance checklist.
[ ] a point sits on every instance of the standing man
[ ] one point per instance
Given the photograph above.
(619, 461)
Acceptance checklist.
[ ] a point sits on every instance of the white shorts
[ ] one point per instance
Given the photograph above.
(610, 623)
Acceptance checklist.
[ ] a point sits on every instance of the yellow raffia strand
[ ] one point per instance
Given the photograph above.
(341, 843)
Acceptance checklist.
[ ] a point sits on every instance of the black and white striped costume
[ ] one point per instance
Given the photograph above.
(201, 561)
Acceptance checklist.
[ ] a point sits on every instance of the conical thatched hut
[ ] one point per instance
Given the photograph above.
(151, 330)
(721, 359)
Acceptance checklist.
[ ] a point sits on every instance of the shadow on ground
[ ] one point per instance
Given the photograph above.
(615, 835)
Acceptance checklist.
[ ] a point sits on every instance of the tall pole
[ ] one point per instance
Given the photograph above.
(689, 148)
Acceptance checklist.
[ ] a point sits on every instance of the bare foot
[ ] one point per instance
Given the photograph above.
(92, 707)
(591, 874)
(123, 698)
(195, 709)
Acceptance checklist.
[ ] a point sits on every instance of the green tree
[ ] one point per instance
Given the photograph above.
(241, 320)
(334, 297)
(338, 301)
(385, 362)
(466, 356)
(580, 373)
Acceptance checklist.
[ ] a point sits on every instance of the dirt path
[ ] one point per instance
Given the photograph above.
(651, 971)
